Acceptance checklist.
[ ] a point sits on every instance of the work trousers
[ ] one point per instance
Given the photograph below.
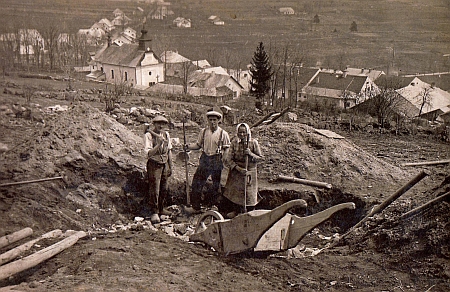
(208, 166)
(157, 175)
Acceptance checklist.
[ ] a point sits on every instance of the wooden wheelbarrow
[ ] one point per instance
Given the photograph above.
(260, 229)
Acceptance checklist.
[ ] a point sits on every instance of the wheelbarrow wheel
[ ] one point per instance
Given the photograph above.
(208, 218)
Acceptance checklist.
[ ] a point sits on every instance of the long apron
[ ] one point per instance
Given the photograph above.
(235, 187)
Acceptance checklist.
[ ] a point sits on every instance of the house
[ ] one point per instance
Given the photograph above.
(175, 64)
(92, 35)
(339, 89)
(98, 30)
(122, 39)
(286, 10)
(201, 64)
(133, 64)
(106, 24)
(439, 79)
(117, 12)
(120, 20)
(445, 116)
(428, 101)
(182, 22)
(216, 20)
(221, 85)
(161, 10)
(243, 77)
(130, 33)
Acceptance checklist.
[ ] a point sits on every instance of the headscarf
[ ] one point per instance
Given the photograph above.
(249, 133)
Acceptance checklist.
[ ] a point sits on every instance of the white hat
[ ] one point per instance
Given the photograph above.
(214, 113)
(160, 119)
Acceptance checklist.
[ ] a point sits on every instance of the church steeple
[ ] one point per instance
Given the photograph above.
(145, 44)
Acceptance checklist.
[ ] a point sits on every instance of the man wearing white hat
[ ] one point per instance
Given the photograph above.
(215, 143)
(159, 165)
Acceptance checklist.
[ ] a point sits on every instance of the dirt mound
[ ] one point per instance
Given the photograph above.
(297, 149)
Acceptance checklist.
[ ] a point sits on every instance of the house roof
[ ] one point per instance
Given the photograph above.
(286, 10)
(305, 75)
(210, 80)
(106, 21)
(439, 80)
(173, 57)
(414, 94)
(338, 82)
(217, 70)
(126, 55)
(201, 63)
(373, 74)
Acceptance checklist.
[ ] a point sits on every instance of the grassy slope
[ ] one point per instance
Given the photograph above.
(418, 30)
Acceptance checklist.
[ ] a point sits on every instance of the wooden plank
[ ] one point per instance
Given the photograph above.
(445, 161)
(40, 256)
(16, 236)
(329, 134)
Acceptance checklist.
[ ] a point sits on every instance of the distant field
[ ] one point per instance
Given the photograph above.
(416, 33)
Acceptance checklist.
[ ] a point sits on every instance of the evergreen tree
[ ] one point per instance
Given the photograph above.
(261, 72)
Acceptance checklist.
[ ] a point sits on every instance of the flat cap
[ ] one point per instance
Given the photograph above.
(214, 113)
(160, 119)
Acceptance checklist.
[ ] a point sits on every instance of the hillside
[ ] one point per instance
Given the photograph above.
(407, 36)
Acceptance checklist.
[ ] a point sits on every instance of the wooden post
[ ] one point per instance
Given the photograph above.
(305, 182)
(40, 256)
(445, 161)
(424, 206)
(15, 252)
(16, 236)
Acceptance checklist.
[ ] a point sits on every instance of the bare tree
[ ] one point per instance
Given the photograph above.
(116, 91)
(50, 34)
(187, 68)
(425, 99)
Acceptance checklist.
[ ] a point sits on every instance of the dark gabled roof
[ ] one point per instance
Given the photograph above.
(305, 75)
(339, 82)
(126, 55)
(386, 81)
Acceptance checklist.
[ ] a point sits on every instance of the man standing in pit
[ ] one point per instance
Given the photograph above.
(214, 143)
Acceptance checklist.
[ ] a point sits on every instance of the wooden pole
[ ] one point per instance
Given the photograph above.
(424, 206)
(186, 158)
(40, 256)
(30, 181)
(427, 163)
(15, 252)
(305, 182)
(389, 200)
(16, 236)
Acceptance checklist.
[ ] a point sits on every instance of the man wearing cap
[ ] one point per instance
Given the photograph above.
(214, 142)
(157, 146)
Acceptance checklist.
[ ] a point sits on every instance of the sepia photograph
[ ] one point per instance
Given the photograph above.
(239, 145)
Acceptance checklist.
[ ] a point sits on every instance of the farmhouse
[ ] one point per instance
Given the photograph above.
(106, 25)
(286, 10)
(220, 85)
(132, 64)
(429, 101)
(339, 89)
(182, 22)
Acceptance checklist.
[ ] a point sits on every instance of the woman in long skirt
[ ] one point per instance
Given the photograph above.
(241, 189)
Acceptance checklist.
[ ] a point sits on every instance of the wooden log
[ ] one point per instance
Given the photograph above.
(40, 256)
(30, 181)
(426, 163)
(15, 252)
(305, 182)
(389, 200)
(424, 206)
(16, 236)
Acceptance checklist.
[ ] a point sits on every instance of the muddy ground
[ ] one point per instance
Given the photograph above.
(99, 157)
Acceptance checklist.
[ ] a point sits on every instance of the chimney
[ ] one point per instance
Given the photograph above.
(145, 44)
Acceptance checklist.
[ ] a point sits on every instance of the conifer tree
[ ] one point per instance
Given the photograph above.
(261, 72)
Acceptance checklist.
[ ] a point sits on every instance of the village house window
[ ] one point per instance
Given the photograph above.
(151, 83)
(126, 76)
(150, 73)
(112, 74)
